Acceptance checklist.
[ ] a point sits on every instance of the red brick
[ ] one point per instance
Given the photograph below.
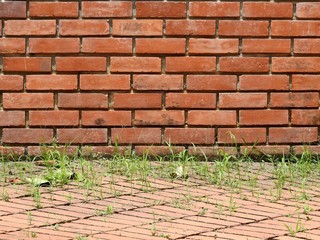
(12, 151)
(11, 83)
(288, 28)
(27, 136)
(53, 9)
(30, 27)
(158, 82)
(305, 10)
(107, 45)
(212, 118)
(27, 64)
(307, 46)
(13, 9)
(137, 100)
(54, 118)
(189, 135)
(294, 100)
(136, 135)
(264, 82)
(191, 100)
(305, 117)
(51, 82)
(190, 27)
(83, 27)
(41, 150)
(211, 82)
(293, 135)
(164, 117)
(12, 45)
(190, 64)
(105, 150)
(82, 100)
(305, 82)
(100, 9)
(104, 82)
(244, 64)
(28, 100)
(81, 64)
(243, 100)
(267, 10)
(242, 135)
(153, 9)
(137, 27)
(12, 118)
(212, 151)
(296, 64)
(54, 45)
(263, 117)
(214, 9)
(158, 150)
(73, 136)
(303, 149)
(135, 64)
(106, 118)
(213, 46)
(270, 150)
(245, 28)
(276, 46)
(160, 46)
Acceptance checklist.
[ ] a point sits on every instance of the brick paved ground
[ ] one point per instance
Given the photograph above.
(177, 209)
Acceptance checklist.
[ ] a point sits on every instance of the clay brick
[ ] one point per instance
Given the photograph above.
(212, 151)
(12, 45)
(11, 83)
(54, 45)
(27, 64)
(82, 100)
(211, 83)
(137, 100)
(83, 27)
(54, 118)
(27, 136)
(51, 82)
(30, 27)
(293, 135)
(12, 151)
(305, 117)
(28, 100)
(189, 135)
(190, 64)
(270, 150)
(158, 82)
(135, 64)
(137, 28)
(213, 46)
(264, 82)
(242, 135)
(164, 117)
(243, 100)
(53, 9)
(263, 117)
(267, 10)
(302, 149)
(276, 46)
(105, 150)
(307, 46)
(287, 28)
(212, 118)
(41, 150)
(81, 64)
(191, 100)
(106, 118)
(104, 82)
(160, 46)
(294, 100)
(107, 45)
(245, 28)
(190, 27)
(13, 9)
(244, 64)
(296, 64)
(136, 135)
(158, 150)
(74, 136)
(100, 9)
(305, 10)
(214, 9)
(153, 9)
(12, 118)
(305, 82)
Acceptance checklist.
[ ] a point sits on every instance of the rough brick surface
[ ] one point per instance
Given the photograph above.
(146, 72)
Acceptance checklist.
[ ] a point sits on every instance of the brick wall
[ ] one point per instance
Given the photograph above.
(141, 73)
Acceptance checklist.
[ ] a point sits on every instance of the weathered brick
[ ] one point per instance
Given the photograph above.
(27, 64)
(28, 100)
(27, 136)
(102, 9)
(153, 9)
(30, 27)
(82, 100)
(74, 136)
(294, 100)
(302, 117)
(104, 82)
(243, 28)
(190, 64)
(264, 83)
(137, 28)
(212, 118)
(12, 118)
(214, 9)
(11, 83)
(107, 45)
(263, 117)
(12, 45)
(211, 83)
(81, 64)
(213, 46)
(164, 117)
(160, 46)
(83, 27)
(137, 100)
(293, 135)
(244, 64)
(13, 9)
(242, 135)
(296, 64)
(53, 9)
(54, 118)
(106, 118)
(189, 135)
(190, 27)
(307, 46)
(51, 82)
(287, 28)
(276, 46)
(191, 100)
(267, 10)
(136, 135)
(135, 64)
(242, 100)
(54, 45)
(305, 10)
(158, 82)
(305, 82)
